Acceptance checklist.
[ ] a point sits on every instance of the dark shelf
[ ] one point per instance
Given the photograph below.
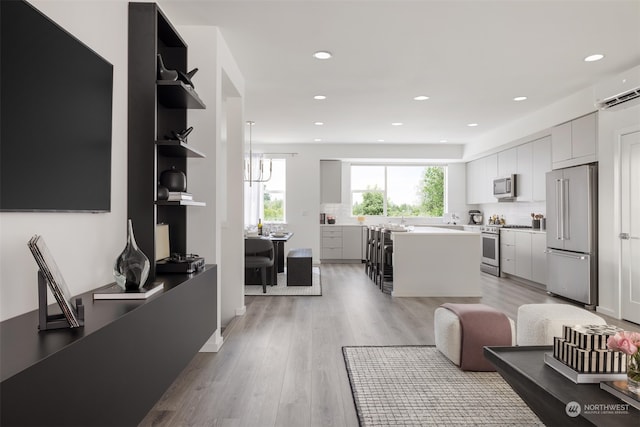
(176, 94)
(180, 203)
(72, 375)
(174, 148)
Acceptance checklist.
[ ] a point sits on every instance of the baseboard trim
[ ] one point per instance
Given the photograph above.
(213, 344)
(241, 311)
(608, 312)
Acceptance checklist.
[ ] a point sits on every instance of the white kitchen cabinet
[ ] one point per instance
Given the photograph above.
(472, 175)
(507, 160)
(341, 242)
(584, 136)
(331, 240)
(539, 258)
(330, 181)
(352, 242)
(523, 254)
(490, 172)
(507, 251)
(574, 143)
(524, 170)
(480, 175)
(540, 166)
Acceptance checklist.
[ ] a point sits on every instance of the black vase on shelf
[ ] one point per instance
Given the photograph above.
(162, 192)
(163, 73)
(131, 268)
(174, 179)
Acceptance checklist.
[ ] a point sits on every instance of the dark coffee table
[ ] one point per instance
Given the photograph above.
(548, 392)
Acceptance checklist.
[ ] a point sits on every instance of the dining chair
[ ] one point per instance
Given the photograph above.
(259, 255)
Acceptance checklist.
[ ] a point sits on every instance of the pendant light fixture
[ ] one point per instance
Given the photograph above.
(248, 164)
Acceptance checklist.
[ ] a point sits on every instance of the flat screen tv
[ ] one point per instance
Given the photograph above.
(55, 117)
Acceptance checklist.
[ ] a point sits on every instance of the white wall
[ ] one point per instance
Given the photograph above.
(216, 231)
(84, 245)
(303, 180)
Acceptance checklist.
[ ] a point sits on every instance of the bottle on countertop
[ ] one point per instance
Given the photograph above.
(259, 226)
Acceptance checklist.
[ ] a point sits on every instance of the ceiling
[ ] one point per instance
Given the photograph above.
(470, 57)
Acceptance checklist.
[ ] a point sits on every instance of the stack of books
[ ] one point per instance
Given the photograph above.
(176, 196)
(581, 354)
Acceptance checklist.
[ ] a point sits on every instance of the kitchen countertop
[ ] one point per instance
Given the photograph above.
(421, 231)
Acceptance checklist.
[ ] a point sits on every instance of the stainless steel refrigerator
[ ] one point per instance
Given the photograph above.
(572, 233)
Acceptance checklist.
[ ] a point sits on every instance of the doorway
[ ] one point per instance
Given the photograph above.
(630, 225)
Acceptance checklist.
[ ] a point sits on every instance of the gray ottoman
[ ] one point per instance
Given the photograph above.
(299, 267)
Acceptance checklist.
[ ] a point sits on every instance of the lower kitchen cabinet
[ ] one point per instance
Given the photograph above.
(522, 254)
(539, 258)
(508, 251)
(342, 243)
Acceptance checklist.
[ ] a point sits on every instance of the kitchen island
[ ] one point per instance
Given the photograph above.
(436, 262)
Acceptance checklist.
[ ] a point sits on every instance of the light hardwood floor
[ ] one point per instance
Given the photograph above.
(281, 363)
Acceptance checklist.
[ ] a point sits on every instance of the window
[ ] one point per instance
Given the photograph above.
(398, 190)
(273, 193)
(266, 200)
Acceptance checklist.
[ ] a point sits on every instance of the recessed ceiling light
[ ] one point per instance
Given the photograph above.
(319, 97)
(397, 124)
(472, 124)
(318, 123)
(318, 139)
(381, 140)
(520, 98)
(444, 140)
(322, 54)
(421, 98)
(595, 57)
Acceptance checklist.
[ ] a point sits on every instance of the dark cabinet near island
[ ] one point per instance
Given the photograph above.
(157, 109)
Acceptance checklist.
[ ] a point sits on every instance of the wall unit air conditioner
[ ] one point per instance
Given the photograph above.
(619, 92)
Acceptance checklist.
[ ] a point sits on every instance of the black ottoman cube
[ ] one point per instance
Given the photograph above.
(299, 267)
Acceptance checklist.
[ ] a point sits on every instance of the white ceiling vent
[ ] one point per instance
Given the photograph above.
(619, 92)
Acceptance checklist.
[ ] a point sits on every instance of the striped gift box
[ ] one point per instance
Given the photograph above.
(589, 337)
(589, 361)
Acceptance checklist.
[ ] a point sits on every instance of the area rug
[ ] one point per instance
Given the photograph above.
(418, 386)
(283, 290)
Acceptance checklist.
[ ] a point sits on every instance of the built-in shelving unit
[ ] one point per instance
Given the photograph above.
(157, 108)
(176, 94)
(173, 148)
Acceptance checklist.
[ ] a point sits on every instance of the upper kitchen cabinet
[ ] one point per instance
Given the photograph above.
(574, 143)
(533, 162)
(507, 162)
(330, 181)
(480, 175)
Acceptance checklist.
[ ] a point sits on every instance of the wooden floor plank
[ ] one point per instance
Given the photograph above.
(281, 363)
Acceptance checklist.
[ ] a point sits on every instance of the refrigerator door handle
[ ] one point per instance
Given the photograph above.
(565, 210)
(558, 208)
(566, 255)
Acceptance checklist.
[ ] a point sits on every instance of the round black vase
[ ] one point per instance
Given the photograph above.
(163, 193)
(174, 179)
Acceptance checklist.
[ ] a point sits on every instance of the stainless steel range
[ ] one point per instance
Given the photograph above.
(490, 236)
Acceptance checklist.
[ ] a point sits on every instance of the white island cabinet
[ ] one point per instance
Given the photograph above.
(436, 262)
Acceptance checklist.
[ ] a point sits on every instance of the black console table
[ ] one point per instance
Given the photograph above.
(547, 392)
(114, 369)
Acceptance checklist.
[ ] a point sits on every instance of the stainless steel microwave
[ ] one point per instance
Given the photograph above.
(505, 188)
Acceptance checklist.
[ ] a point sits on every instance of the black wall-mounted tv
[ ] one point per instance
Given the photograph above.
(56, 97)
